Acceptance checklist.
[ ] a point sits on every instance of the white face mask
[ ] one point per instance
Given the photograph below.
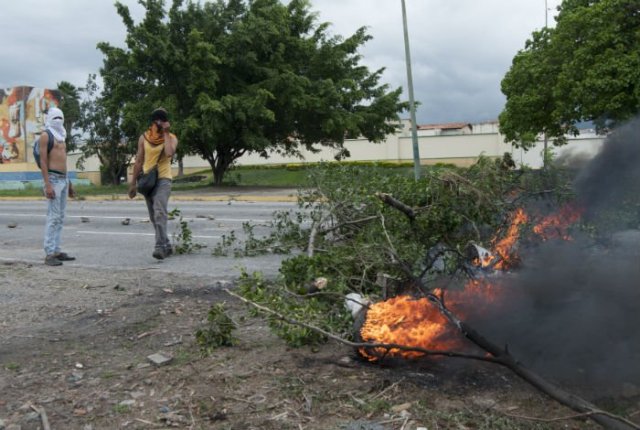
(55, 123)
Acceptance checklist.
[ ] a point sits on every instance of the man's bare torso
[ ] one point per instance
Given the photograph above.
(58, 157)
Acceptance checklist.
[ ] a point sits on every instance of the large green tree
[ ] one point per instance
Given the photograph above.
(101, 123)
(70, 105)
(587, 68)
(242, 77)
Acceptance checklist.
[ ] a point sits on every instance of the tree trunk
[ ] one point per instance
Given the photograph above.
(216, 170)
(219, 169)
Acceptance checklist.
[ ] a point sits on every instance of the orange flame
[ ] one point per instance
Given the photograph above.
(405, 321)
(502, 248)
(418, 323)
(556, 226)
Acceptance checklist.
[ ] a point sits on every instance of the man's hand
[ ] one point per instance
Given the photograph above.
(49, 191)
(164, 126)
(72, 191)
(132, 191)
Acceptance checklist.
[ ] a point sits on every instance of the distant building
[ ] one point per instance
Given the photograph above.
(447, 129)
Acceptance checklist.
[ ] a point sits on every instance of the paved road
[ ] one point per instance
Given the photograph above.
(95, 234)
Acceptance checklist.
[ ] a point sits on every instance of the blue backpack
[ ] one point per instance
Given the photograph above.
(36, 147)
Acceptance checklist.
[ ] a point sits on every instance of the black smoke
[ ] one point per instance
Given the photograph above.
(572, 311)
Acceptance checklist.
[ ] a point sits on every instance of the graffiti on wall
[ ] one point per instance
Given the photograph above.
(22, 115)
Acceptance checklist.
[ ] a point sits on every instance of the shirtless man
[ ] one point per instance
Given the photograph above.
(57, 186)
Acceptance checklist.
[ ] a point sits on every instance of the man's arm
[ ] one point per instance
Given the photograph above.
(49, 192)
(170, 140)
(72, 191)
(137, 167)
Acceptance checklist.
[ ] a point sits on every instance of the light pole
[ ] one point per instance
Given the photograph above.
(412, 105)
(546, 13)
(546, 140)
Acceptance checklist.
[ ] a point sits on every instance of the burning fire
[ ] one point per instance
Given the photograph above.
(502, 248)
(406, 321)
(417, 322)
(555, 226)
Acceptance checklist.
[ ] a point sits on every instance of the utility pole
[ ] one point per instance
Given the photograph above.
(546, 140)
(412, 105)
(546, 13)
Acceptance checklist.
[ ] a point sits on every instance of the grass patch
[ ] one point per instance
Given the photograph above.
(184, 356)
(81, 191)
(277, 177)
(108, 375)
(121, 409)
(12, 366)
(284, 176)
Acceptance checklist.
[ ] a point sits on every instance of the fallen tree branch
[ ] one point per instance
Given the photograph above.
(348, 223)
(387, 346)
(497, 355)
(312, 238)
(397, 204)
(504, 358)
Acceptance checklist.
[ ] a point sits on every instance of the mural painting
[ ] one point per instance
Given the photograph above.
(22, 115)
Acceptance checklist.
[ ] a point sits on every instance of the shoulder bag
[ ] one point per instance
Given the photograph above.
(146, 182)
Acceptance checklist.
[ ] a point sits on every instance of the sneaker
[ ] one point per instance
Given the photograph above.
(158, 254)
(51, 260)
(63, 256)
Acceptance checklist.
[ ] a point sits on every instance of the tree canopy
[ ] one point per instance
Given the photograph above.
(587, 68)
(70, 105)
(243, 77)
(101, 122)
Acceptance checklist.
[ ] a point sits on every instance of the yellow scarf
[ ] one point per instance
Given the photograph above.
(154, 153)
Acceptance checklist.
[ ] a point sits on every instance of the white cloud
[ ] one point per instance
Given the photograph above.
(460, 49)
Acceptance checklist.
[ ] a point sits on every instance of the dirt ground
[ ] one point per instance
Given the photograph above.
(74, 344)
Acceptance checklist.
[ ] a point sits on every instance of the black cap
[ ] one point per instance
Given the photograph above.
(160, 114)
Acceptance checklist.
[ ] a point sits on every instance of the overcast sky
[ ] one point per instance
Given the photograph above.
(460, 49)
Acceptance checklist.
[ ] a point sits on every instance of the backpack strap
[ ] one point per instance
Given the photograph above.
(50, 141)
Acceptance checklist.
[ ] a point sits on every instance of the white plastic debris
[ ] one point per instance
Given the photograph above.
(355, 303)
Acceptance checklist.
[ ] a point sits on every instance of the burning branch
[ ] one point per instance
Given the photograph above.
(496, 355)
(504, 358)
(369, 345)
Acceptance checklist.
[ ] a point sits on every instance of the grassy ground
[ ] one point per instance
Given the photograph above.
(278, 176)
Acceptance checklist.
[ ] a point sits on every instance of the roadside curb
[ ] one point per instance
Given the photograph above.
(178, 197)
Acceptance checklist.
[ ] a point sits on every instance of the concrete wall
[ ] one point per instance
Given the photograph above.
(579, 149)
(462, 149)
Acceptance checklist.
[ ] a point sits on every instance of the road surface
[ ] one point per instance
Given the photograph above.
(94, 232)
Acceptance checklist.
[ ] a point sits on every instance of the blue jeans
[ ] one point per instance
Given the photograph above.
(55, 213)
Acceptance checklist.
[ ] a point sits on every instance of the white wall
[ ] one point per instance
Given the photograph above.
(578, 148)
(398, 147)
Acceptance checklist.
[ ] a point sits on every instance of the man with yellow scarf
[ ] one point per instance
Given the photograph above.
(156, 147)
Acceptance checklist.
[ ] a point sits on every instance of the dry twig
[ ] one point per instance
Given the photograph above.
(43, 416)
